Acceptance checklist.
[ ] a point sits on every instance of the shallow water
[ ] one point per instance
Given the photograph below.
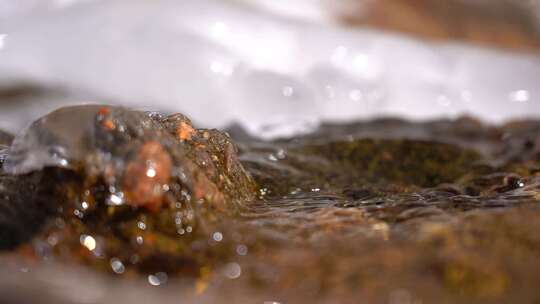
(187, 55)
(384, 211)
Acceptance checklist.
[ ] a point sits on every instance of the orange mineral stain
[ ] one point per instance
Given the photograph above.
(146, 175)
(184, 131)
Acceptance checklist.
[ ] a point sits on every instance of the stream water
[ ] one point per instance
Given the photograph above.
(381, 211)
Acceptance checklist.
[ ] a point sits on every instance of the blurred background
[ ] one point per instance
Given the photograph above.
(275, 67)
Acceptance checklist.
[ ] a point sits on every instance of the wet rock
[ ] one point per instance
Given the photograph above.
(121, 184)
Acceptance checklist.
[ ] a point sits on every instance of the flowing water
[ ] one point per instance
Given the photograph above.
(380, 211)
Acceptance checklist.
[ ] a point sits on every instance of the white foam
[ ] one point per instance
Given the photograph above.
(220, 62)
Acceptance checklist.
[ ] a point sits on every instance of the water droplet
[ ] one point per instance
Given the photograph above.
(178, 220)
(157, 279)
(78, 213)
(117, 266)
(115, 199)
(88, 242)
(217, 236)
(241, 249)
(151, 172)
(232, 271)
